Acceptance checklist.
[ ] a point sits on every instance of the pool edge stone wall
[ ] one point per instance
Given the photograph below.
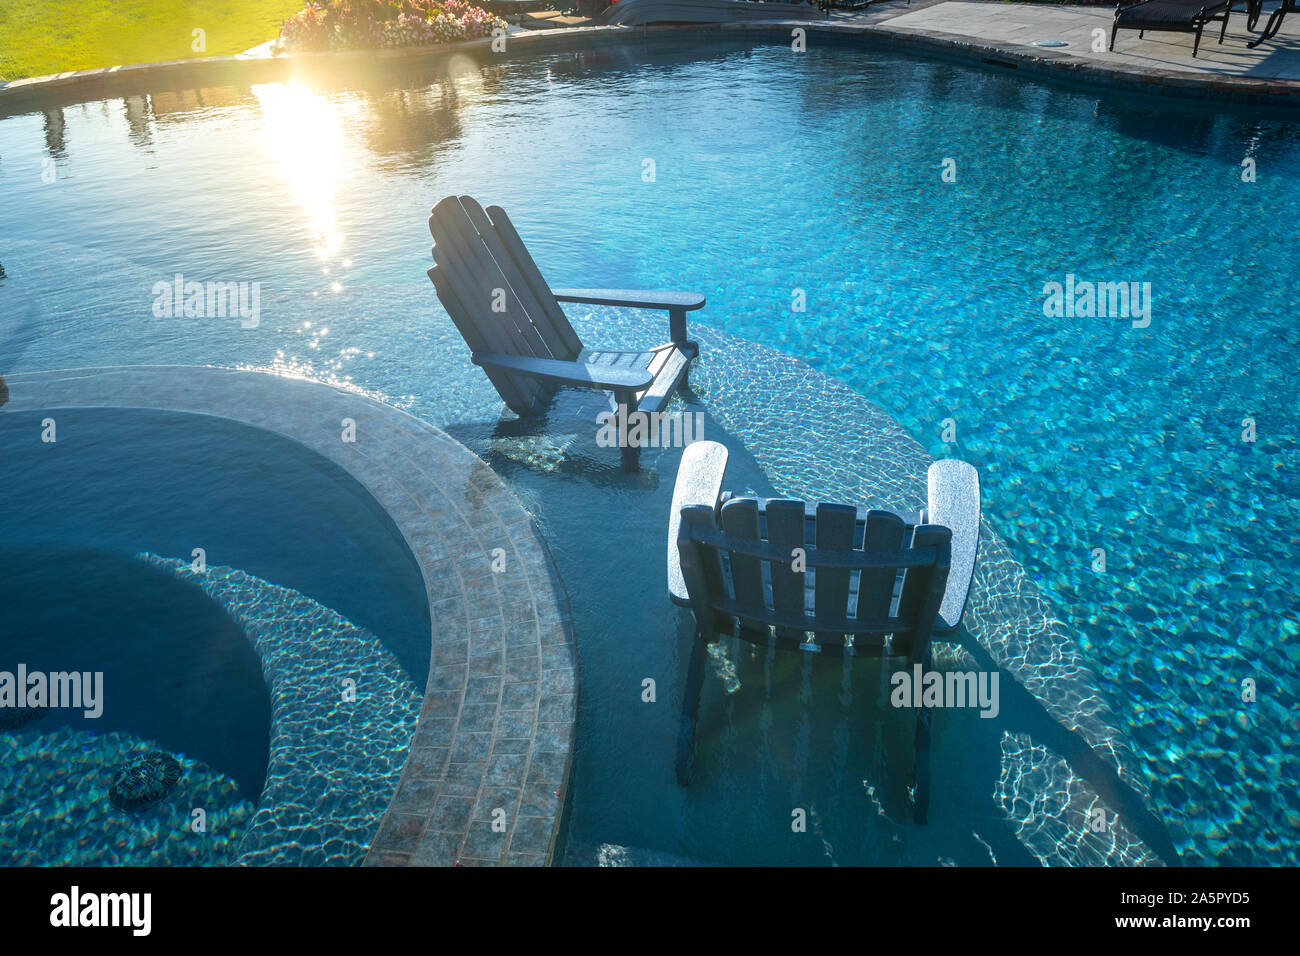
(1053, 65)
(487, 774)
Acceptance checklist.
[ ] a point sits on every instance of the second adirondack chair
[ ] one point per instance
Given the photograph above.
(517, 332)
(883, 584)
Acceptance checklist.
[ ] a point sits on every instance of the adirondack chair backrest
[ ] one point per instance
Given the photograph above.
(869, 579)
(494, 292)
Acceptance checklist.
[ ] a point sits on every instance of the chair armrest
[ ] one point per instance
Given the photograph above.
(577, 374)
(699, 482)
(954, 501)
(633, 298)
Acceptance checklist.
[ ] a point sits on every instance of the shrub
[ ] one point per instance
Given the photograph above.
(371, 24)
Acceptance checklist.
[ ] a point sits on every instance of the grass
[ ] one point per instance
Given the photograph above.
(51, 36)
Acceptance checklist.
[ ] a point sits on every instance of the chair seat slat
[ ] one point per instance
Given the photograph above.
(834, 533)
(740, 519)
(551, 311)
(785, 532)
(535, 298)
(883, 533)
(669, 366)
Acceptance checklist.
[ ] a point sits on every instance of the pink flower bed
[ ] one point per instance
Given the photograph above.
(373, 24)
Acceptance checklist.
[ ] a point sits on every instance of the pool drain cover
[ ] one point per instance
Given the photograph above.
(145, 781)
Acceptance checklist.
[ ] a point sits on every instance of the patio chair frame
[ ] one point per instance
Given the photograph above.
(1128, 16)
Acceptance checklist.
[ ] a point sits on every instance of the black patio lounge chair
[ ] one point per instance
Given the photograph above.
(1274, 20)
(517, 332)
(1171, 16)
(883, 584)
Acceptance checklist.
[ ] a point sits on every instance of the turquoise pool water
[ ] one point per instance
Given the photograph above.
(236, 668)
(774, 172)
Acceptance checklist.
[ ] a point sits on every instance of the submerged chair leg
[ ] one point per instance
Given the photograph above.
(690, 712)
(625, 406)
(921, 792)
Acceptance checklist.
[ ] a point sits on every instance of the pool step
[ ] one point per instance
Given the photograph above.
(1057, 816)
(334, 760)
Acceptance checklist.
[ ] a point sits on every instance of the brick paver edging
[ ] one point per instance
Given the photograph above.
(487, 773)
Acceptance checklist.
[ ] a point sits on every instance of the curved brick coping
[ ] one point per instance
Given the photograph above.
(1052, 64)
(496, 729)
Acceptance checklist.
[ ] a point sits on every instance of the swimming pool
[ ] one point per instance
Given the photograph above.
(773, 173)
(207, 591)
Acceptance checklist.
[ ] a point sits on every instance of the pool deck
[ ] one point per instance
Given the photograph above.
(1164, 58)
(496, 729)
(984, 32)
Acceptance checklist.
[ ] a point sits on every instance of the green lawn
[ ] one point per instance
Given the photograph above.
(50, 36)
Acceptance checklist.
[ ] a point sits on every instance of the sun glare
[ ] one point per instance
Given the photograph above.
(304, 137)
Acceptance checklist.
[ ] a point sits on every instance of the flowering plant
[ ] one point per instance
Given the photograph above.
(371, 24)
(306, 30)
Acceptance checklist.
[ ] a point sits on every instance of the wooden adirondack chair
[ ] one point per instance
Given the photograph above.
(519, 335)
(883, 583)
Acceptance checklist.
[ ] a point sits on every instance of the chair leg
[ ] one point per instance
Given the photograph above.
(677, 326)
(921, 789)
(1271, 27)
(1113, 30)
(690, 712)
(1224, 29)
(1196, 44)
(921, 792)
(625, 403)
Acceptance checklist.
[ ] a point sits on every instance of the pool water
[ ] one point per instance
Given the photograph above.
(100, 612)
(805, 196)
(237, 676)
